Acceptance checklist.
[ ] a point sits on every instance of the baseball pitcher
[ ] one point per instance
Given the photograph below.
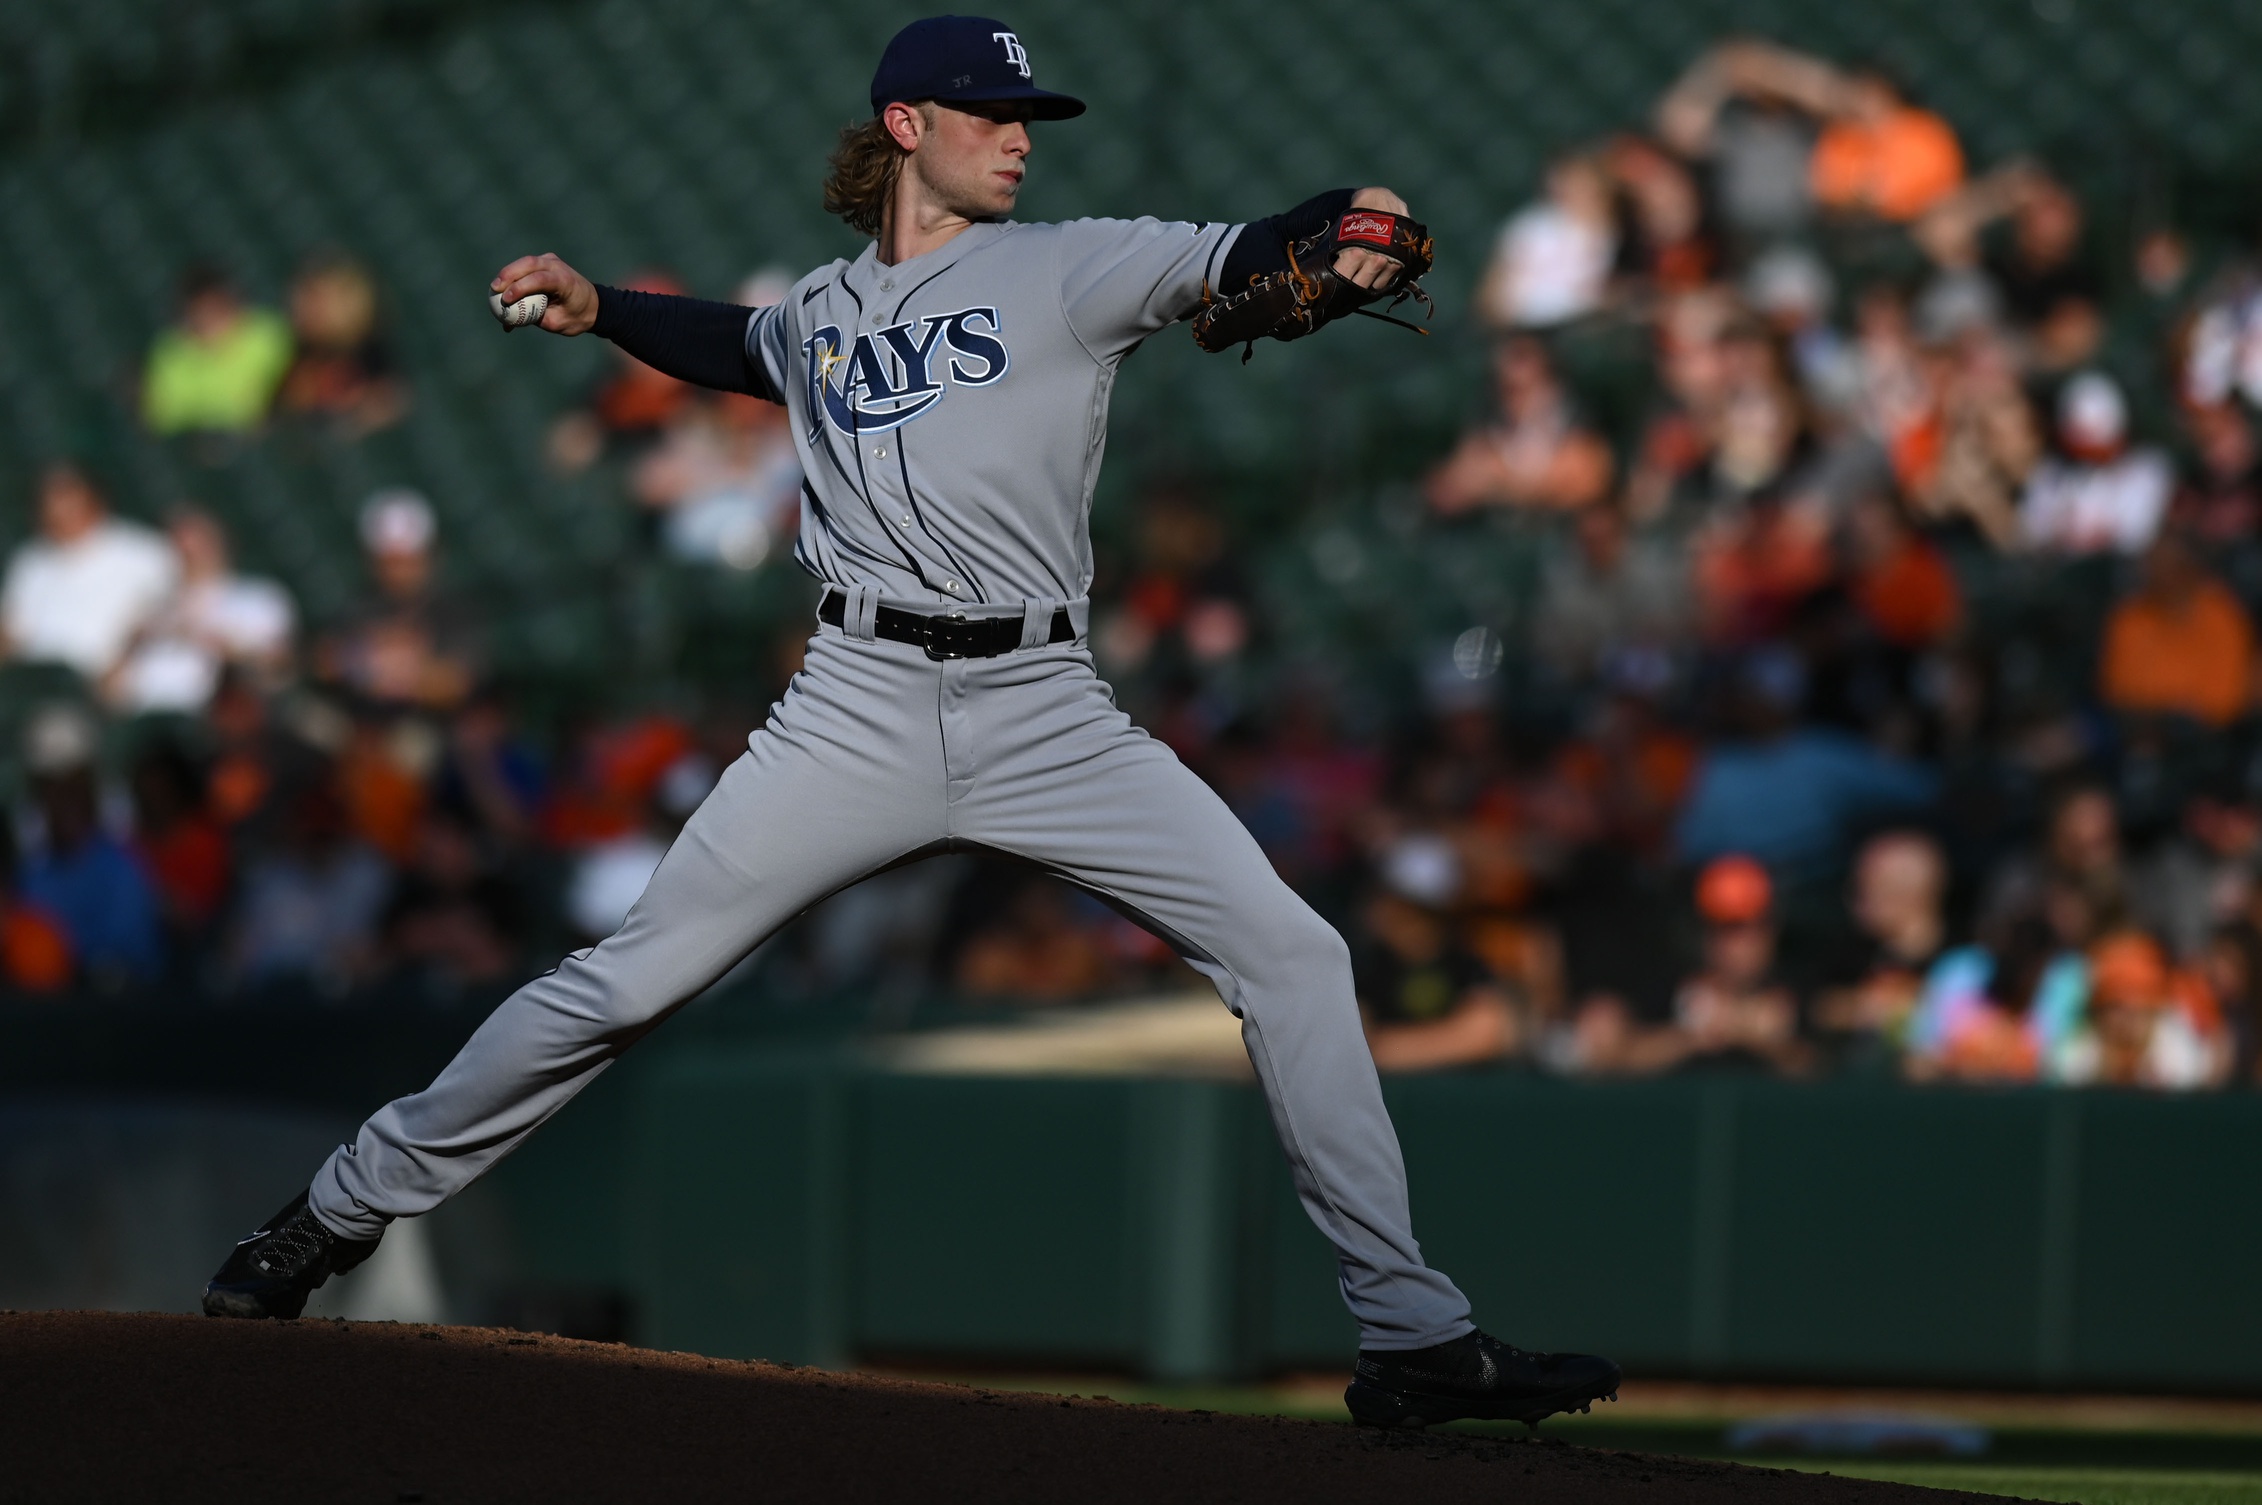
(948, 390)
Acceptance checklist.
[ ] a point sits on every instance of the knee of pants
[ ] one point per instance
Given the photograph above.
(600, 984)
(1297, 953)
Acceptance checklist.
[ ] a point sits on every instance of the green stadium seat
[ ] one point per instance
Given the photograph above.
(689, 133)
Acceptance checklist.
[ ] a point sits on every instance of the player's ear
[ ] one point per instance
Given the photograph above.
(906, 124)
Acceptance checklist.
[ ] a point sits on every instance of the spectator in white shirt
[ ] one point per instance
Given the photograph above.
(1553, 262)
(79, 592)
(2223, 354)
(2100, 494)
(215, 620)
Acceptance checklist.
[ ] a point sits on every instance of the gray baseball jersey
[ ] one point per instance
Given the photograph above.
(951, 412)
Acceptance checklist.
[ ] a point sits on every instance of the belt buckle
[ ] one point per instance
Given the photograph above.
(942, 641)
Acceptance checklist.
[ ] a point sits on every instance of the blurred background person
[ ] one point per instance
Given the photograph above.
(453, 917)
(2180, 644)
(35, 952)
(1042, 946)
(2075, 879)
(1429, 1003)
(215, 620)
(1532, 452)
(2219, 502)
(216, 369)
(724, 480)
(1736, 111)
(1736, 1009)
(652, 783)
(76, 871)
(629, 408)
(2206, 875)
(2039, 280)
(2007, 1011)
(342, 369)
(1608, 592)
(311, 899)
(1879, 155)
(2148, 1025)
(181, 845)
(2099, 493)
(1870, 980)
(79, 592)
(1553, 260)
(409, 644)
(1791, 796)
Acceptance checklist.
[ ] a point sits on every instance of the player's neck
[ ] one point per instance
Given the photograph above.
(916, 222)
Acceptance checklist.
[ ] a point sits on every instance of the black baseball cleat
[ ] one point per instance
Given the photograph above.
(1475, 1377)
(272, 1273)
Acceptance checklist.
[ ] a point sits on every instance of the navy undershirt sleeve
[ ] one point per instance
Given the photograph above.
(1262, 245)
(689, 338)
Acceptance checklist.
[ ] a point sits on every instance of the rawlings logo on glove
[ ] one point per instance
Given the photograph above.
(1287, 305)
(1368, 227)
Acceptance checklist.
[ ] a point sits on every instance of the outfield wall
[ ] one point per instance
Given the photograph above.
(748, 1198)
(1725, 1228)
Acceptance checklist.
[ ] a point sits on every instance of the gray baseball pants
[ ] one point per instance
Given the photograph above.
(877, 752)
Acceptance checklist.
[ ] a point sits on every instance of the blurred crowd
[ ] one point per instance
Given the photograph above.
(1885, 703)
(218, 801)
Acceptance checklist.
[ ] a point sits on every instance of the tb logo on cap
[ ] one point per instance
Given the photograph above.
(1016, 55)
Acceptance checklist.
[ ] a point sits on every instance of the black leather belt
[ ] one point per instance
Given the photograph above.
(953, 636)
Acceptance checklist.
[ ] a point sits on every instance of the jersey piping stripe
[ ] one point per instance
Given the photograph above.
(834, 537)
(846, 541)
(911, 557)
(911, 500)
(903, 461)
(813, 546)
(863, 491)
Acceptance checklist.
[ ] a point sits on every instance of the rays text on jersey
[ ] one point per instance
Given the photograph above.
(890, 376)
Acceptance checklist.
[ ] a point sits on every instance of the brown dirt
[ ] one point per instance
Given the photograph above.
(102, 1406)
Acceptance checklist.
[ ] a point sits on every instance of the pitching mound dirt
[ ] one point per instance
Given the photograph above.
(98, 1406)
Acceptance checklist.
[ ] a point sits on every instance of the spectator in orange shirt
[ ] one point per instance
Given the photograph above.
(1880, 155)
(634, 403)
(35, 953)
(1534, 452)
(2181, 645)
(1902, 584)
(181, 844)
(1755, 565)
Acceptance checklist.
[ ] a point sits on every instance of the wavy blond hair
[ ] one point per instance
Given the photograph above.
(865, 164)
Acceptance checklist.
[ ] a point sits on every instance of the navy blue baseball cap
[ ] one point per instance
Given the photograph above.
(962, 60)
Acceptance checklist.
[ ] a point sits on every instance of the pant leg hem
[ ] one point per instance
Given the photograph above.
(1398, 1344)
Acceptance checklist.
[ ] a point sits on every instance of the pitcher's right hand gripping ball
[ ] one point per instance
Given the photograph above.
(527, 310)
(544, 293)
(1287, 305)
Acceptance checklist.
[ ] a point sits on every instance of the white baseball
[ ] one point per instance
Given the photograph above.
(527, 310)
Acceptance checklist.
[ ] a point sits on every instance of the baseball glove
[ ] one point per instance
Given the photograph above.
(1289, 304)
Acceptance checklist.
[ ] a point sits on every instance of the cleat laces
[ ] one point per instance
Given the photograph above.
(292, 1247)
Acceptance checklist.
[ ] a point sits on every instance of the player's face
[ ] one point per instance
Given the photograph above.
(974, 156)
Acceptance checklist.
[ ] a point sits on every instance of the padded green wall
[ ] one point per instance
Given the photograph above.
(1723, 1228)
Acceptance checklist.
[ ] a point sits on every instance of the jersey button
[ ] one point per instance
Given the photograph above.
(879, 452)
(907, 519)
(951, 586)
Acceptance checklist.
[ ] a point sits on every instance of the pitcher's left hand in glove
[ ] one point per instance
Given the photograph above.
(1360, 256)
